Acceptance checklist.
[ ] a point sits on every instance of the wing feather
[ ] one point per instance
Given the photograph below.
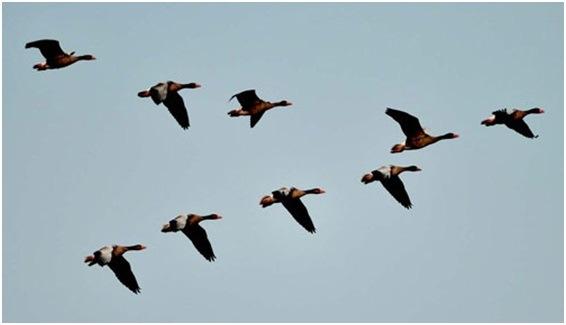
(198, 236)
(409, 124)
(123, 272)
(174, 102)
(395, 187)
(300, 213)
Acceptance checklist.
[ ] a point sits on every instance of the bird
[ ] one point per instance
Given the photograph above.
(253, 106)
(389, 178)
(416, 136)
(189, 225)
(54, 55)
(167, 92)
(291, 200)
(113, 257)
(513, 119)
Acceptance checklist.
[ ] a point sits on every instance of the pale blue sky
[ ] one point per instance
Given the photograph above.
(88, 163)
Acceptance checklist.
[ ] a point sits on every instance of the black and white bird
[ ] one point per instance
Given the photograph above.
(113, 257)
(291, 200)
(168, 94)
(389, 178)
(189, 225)
(513, 119)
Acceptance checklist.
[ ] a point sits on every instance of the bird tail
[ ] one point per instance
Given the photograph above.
(90, 260)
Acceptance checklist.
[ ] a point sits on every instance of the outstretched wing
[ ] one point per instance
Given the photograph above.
(174, 102)
(254, 118)
(123, 272)
(247, 98)
(198, 236)
(48, 48)
(395, 187)
(521, 127)
(300, 213)
(409, 124)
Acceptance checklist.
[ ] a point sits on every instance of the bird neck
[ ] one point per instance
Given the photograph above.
(211, 217)
(535, 110)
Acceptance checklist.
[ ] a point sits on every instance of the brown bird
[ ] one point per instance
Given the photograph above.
(189, 225)
(54, 55)
(416, 136)
(513, 119)
(113, 257)
(167, 92)
(291, 200)
(253, 106)
(389, 178)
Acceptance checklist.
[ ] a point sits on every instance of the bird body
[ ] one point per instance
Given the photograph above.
(291, 200)
(167, 93)
(513, 119)
(253, 106)
(389, 178)
(417, 138)
(55, 57)
(113, 257)
(189, 225)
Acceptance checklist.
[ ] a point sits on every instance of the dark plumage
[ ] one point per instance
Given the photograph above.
(54, 55)
(167, 93)
(513, 119)
(113, 257)
(389, 178)
(189, 225)
(291, 200)
(253, 106)
(416, 136)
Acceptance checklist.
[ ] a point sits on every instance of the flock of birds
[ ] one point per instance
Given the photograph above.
(290, 198)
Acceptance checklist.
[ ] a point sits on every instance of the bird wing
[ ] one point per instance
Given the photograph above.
(254, 118)
(395, 187)
(198, 236)
(124, 273)
(48, 48)
(409, 124)
(300, 213)
(174, 102)
(521, 127)
(247, 98)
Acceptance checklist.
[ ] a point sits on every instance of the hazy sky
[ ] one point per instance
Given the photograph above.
(88, 163)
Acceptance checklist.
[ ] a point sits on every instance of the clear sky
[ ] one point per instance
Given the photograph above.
(88, 163)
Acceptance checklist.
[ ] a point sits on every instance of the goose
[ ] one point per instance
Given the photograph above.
(513, 119)
(113, 257)
(167, 93)
(253, 106)
(54, 55)
(189, 225)
(291, 200)
(416, 136)
(389, 178)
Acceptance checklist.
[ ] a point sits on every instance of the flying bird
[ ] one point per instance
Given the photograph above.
(113, 257)
(291, 200)
(389, 178)
(54, 55)
(416, 136)
(167, 93)
(253, 106)
(513, 119)
(189, 225)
